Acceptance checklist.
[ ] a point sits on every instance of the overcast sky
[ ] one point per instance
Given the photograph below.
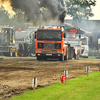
(96, 11)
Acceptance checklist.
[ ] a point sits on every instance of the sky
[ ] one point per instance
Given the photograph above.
(96, 12)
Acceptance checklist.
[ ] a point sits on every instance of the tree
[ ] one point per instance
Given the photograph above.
(18, 19)
(80, 9)
(4, 16)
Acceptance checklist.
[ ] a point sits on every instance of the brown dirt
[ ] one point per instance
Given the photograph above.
(16, 74)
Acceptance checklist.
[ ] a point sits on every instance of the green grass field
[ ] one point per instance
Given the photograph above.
(80, 88)
(89, 58)
(17, 57)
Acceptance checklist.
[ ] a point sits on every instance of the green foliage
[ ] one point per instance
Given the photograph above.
(17, 20)
(80, 9)
(80, 88)
(89, 58)
(4, 16)
(93, 53)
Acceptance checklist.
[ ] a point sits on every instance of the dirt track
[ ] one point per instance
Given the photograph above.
(16, 74)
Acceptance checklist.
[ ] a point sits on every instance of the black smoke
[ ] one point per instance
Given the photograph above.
(53, 9)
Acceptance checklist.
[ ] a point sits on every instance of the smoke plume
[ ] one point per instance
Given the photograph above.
(41, 10)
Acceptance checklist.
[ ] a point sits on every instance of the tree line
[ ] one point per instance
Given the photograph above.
(77, 9)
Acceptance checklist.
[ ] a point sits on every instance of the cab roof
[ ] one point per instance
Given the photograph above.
(6, 27)
(50, 28)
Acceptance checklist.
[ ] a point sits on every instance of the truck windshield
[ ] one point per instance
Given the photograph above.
(84, 41)
(54, 35)
(4, 36)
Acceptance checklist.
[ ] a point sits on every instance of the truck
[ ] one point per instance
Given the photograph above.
(78, 40)
(50, 43)
(7, 41)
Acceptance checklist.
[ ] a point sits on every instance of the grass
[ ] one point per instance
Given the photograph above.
(89, 58)
(80, 88)
(17, 57)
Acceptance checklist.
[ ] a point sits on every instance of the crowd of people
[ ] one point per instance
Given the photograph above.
(23, 49)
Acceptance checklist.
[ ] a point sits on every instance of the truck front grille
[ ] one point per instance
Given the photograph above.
(49, 45)
(49, 51)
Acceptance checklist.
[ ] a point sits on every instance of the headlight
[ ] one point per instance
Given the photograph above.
(58, 46)
(59, 51)
(39, 51)
(40, 45)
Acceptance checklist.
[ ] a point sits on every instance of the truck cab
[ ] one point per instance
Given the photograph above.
(7, 41)
(50, 43)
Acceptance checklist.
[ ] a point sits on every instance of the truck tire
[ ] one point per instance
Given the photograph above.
(66, 56)
(15, 54)
(61, 58)
(11, 53)
(38, 58)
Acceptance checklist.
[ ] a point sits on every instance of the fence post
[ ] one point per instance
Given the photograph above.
(66, 74)
(34, 84)
(87, 69)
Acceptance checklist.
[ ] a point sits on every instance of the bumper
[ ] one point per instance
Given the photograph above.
(49, 55)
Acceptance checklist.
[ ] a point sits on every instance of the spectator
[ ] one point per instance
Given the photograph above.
(26, 47)
(19, 30)
(20, 48)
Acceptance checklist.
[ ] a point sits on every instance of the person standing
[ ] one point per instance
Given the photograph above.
(20, 48)
(19, 30)
(26, 47)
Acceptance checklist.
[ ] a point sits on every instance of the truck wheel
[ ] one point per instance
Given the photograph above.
(66, 56)
(62, 57)
(38, 58)
(15, 53)
(11, 53)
